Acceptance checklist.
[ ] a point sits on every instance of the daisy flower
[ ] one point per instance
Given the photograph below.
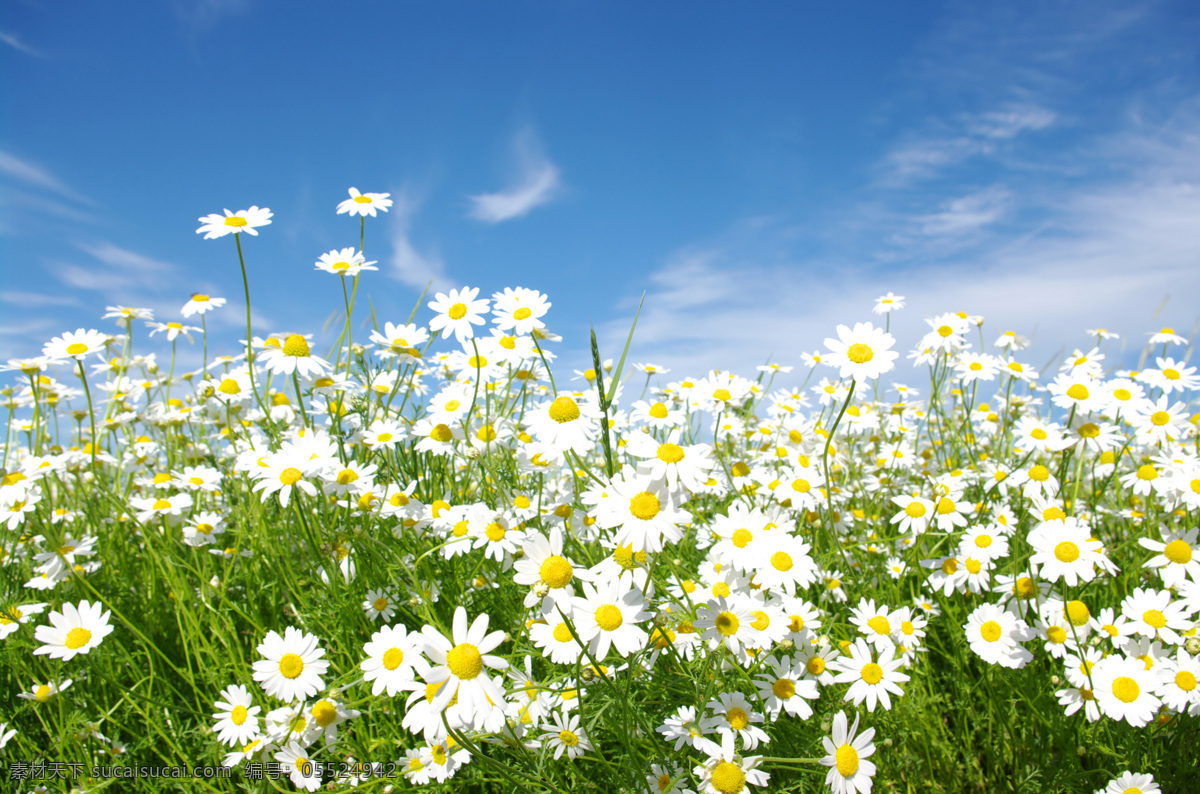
(295, 356)
(727, 622)
(12, 618)
(1128, 782)
(1125, 690)
(1153, 614)
(75, 344)
(292, 665)
(606, 617)
(565, 736)
(380, 604)
(643, 510)
(566, 423)
(403, 341)
(364, 204)
(457, 312)
(687, 465)
(1175, 558)
(1065, 549)
(393, 655)
(459, 664)
(201, 304)
(237, 716)
(787, 688)
(213, 226)
(872, 680)
(40, 693)
(888, 303)
(995, 636)
(543, 563)
(1177, 680)
(303, 772)
(846, 755)
(734, 716)
(344, 262)
(862, 353)
(726, 772)
(75, 630)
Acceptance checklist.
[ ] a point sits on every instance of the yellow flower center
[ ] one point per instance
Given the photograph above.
(76, 349)
(568, 738)
(781, 561)
(990, 631)
(847, 760)
(608, 617)
(1077, 392)
(325, 713)
(1039, 473)
(1178, 551)
(161, 504)
(915, 509)
(879, 624)
(761, 620)
(1056, 635)
(1066, 551)
(236, 221)
(723, 395)
(1185, 680)
(290, 476)
(291, 665)
(738, 719)
(523, 313)
(1154, 618)
(441, 433)
(464, 661)
(1126, 689)
(658, 411)
(458, 311)
(872, 673)
(1078, 612)
(77, 638)
(644, 506)
(296, 345)
(727, 623)
(742, 537)
(670, 453)
(562, 633)
(728, 778)
(393, 658)
(815, 665)
(859, 353)
(564, 409)
(238, 715)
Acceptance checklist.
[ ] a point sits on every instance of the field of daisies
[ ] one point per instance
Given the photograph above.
(426, 555)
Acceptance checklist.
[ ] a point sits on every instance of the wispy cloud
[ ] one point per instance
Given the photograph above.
(14, 41)
(36, 300)
(965, 214)
(410, 266)
(537, 181)
(204, 15)
(32, 174)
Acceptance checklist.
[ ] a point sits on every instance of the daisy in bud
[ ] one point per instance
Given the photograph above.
(459, 665)
(213, 226)
(846, 756)
(75, 630)
(292, 665)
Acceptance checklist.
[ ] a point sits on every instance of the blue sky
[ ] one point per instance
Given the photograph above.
(761, 170)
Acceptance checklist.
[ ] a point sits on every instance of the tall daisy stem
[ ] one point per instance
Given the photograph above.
(249, 333)
(825, 465)
(91, 412)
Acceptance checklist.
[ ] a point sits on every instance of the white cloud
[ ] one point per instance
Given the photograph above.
(536, 182)
(1099, 253)
(14, 41)
(32, 174)
(967, 213)
(125, 260)
(33, 300)
(410, 266)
